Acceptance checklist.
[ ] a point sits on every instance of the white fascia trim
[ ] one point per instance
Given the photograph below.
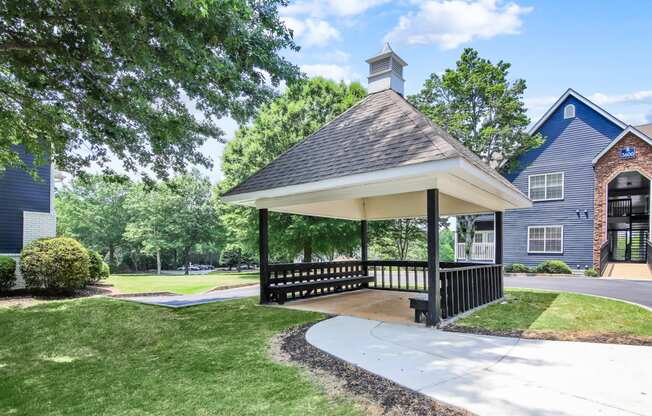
(629, 129)
(415, 170)
(507, 193)
(517, 198)
(584, 100)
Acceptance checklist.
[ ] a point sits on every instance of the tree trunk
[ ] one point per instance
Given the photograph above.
(158, 261)
(186, 261)
(112, 255)
(307, 252)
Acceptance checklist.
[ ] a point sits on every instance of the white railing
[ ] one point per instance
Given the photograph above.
(479, 251)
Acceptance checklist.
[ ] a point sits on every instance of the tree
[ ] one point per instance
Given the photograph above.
(81, 80)
(477, 104)
(232, 256)
(303, 109)
(150, 209)
(92, 209)
(192, 219)
(393, 239)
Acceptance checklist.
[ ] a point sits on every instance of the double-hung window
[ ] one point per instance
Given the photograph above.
(546, 187)
(545, 239)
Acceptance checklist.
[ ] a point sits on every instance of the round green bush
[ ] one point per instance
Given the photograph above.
(94, 266)
(590, 273)
(554, 267)
(518, 268)
(7, 273)
(59, 263)
(106, 271)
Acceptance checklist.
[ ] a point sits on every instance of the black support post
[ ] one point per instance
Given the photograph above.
(263, 252)
(498, 247)
(364, 246)
(434, 294)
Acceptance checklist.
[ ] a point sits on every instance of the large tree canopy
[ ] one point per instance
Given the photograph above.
(299, 112)
(478, 105)
(81, 79)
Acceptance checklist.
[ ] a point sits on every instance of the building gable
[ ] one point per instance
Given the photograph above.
(575, 139)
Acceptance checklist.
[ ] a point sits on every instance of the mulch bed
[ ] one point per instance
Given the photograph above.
(43, 294)
(597, 337)
(381, 396)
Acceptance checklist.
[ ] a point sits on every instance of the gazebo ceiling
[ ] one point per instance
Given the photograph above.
(375, 161)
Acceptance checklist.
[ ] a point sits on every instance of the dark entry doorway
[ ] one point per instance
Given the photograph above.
(628, 217)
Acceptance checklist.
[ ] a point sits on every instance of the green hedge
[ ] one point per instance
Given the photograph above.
(518, 268)
(59, 263)
(95, 266)
(7, 273)
(554, 267)
(590, 273)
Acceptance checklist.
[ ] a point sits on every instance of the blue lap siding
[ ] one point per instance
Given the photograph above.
(570, 146)
(20, 192)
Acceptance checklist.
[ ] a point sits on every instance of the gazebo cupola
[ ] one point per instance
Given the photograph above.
(386, 71)
(382, 159)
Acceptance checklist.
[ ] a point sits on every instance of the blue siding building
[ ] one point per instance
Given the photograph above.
(26, 207)
(567, 220)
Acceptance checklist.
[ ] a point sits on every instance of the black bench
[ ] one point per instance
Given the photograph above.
(280, 291)
(420, 306)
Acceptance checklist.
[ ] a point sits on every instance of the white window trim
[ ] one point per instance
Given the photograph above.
(529, 186)
(545, 227)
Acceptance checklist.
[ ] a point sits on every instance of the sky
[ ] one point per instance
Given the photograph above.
(601, 49)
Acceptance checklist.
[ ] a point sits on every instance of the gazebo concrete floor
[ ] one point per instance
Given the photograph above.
(378, 305)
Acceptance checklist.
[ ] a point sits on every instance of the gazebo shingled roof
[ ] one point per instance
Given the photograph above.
(382, 133)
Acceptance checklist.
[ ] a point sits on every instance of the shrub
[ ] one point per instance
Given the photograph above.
(590, 273)
(106, 271)
(59, 263)
(94, 266)
(553, 267)
(518, 268)
(7, 272)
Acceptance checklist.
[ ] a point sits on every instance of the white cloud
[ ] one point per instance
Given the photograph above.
(451, 23)
(337, 56)
(311, 32)
(330, 71)
(632, 118)
(340, 8)
(539, 103)
(631, 98)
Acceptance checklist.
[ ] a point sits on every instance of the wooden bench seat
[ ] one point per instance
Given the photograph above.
(280, 291)
(420, 305)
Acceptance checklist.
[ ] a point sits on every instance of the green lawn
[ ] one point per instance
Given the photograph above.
(112, 357)
(534, 311)
(186, 285)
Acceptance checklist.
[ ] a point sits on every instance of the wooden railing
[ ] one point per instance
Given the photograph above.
(479, 251)
(464, 286)
(605, 255)
(401, 275)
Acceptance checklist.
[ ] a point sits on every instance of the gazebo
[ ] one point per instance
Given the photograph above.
(382, 159)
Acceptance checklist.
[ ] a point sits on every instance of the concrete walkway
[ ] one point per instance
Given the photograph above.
(496, 375)
(181, 301)
(631, 271)
(635, 291)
